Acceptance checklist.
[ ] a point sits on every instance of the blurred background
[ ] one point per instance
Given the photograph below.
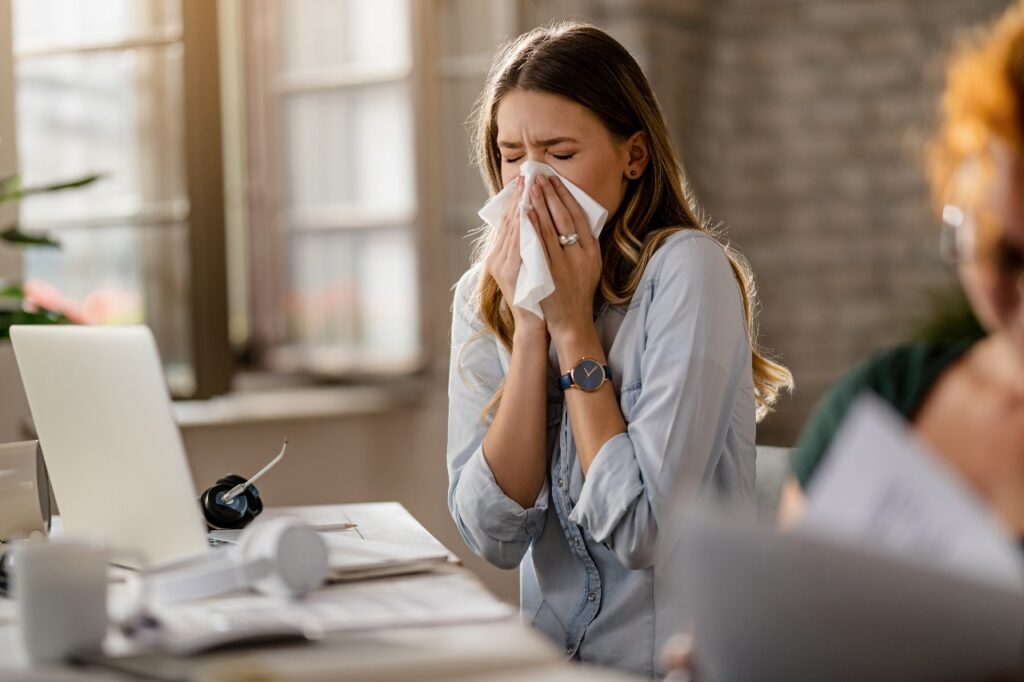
(287, 199)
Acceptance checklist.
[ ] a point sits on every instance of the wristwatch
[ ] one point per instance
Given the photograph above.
(587, 375)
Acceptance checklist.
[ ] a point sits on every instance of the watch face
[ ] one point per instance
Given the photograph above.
(588, 375)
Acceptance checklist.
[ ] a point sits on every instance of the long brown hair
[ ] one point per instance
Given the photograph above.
(585, 65)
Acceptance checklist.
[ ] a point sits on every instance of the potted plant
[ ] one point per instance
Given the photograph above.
(15, 307)
(18, 308)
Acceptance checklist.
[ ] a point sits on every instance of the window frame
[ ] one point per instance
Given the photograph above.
(212, 356)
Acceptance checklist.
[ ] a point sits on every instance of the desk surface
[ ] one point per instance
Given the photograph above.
(495, 650)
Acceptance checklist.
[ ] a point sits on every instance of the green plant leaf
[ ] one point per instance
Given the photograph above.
(11, 188)
(14, 235)
(12, 290)
(41, 316)
(12, 183)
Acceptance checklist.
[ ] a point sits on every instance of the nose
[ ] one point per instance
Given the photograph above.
(534, 154)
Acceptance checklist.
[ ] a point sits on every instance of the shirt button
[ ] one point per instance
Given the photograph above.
(575, 542)
(592, 596)
(568, 651)
(561, 484)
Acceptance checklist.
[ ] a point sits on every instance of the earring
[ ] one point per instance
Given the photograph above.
(633, 172)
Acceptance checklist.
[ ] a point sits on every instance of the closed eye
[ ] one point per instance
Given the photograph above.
(564, 157)
(507, 160)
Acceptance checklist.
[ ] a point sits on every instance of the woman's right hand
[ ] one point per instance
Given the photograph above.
(503, 261)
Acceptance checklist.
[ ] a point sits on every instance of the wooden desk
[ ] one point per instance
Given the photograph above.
(496, 650)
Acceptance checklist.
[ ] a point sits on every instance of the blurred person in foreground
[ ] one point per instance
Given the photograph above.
(964, 399)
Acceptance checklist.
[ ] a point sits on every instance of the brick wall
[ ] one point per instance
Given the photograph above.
(812, 118)
(801, 124)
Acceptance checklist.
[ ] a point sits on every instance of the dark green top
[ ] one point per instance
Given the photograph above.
(900, 376)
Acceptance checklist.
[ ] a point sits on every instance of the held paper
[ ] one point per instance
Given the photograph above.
(881, 488)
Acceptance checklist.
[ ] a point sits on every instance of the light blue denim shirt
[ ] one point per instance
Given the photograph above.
(681, 367)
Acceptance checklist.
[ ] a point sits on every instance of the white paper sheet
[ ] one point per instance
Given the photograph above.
(879, 487)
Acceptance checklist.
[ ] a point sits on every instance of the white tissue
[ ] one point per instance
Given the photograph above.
(535, 283)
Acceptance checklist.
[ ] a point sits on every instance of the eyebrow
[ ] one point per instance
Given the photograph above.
(551, 142)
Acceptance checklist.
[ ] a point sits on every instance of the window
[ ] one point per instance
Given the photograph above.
(335, 207)
(349, 191)
(106, 87)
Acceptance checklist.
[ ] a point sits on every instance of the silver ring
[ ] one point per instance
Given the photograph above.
(568, 239)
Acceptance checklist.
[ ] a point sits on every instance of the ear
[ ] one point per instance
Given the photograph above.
(637, 155)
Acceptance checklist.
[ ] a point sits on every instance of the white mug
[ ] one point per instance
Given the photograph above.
(24, 491)
(60, 586)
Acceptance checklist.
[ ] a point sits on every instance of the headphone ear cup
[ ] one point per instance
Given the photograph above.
(230, 480)
(296, 554)
(279, 557)
(235, 515)
(255, 501)
(218, 515)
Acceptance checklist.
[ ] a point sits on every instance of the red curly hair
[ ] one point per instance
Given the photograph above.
(983, 104)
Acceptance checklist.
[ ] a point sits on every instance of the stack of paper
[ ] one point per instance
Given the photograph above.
(353, 558)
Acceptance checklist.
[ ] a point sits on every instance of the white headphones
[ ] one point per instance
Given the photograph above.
(280, 557)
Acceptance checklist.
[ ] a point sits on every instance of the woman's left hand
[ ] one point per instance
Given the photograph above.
(575, 268)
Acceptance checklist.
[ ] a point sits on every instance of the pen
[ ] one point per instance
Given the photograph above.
(333, 526)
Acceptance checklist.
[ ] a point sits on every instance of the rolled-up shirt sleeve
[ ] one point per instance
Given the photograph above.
(493, 525)
(695, 357)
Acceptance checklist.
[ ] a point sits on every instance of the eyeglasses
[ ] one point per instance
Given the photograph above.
(958, 246)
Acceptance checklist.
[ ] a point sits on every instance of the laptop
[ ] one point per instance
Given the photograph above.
(773, 605)
(117, 465)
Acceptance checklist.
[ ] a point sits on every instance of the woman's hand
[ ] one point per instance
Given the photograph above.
(677, 658)
(503, 261)
(575, 268)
